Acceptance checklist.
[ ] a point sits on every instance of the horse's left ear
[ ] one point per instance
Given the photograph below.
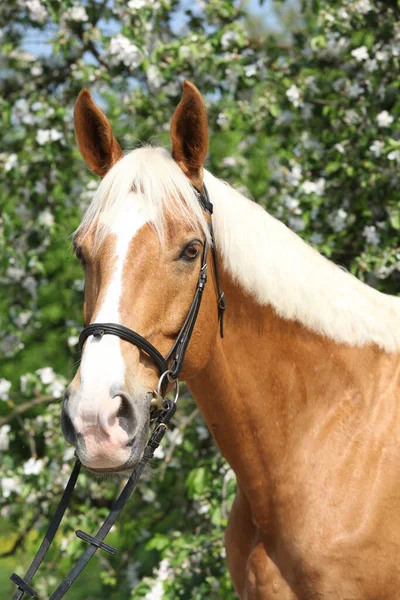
(189, 134)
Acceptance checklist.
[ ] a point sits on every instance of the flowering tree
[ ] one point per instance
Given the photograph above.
(305, 121)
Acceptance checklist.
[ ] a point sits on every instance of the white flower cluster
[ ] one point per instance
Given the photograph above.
(4, 441)
(136, 5)
(384, 119)
(371, 235)
(46, 218)
(33, 466)
(294, 95)
(229, 39)
(48, 377)
(44, 136)
(376, 148)
(157, 591)
(37, 12)
(76, 13)
(123, 51)
(9, 485)
(154, 78)
(9, 160)
(313, 187)
(360, 53)
(5, 387)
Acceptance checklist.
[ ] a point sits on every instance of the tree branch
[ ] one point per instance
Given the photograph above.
(19, 410)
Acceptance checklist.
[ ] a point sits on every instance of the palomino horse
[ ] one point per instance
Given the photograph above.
(301, 394)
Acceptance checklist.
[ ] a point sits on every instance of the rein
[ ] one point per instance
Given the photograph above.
(170, 368)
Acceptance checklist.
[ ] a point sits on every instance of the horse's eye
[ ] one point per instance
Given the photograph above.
(79, 254)
(191, 251)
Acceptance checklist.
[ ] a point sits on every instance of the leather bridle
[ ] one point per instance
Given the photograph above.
(173, 362)
(170, 368)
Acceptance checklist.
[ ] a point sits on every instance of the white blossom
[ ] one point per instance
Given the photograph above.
(68, 453)
(316, 238)
(185, 52)
(139, 4)
(33, 466)
(30, 285)
(73, 341)
(222, 120)
(202, 432)
(37, 11)
(313, 187)
(360, 53)
(295, 175)
(376, 148)
(122, 50)
(23, 318)
(36, 71)
(355, 90)
(371, 65)
(382, 55)
(338, 220)
(371, 235)
(291, 204)
(172, 88)
(351, 117)
(15, 273)
(9, 485)
(384, 119)
(76, 13)
(4, 441)
(21, 113)
(307, 111)
(46, 375)
(340, 147)
(57, 388)
(296, 223)
(394, 155)
(294, 95)
(228, 39)
(10, 162)
(362, 6)
(229, 161)
(5, 387)
(23, 382)
(157, 591)
(250, 70)
(154, 77)
(44, 136)
(46, 218)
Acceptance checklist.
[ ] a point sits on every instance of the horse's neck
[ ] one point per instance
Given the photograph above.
(270, 383)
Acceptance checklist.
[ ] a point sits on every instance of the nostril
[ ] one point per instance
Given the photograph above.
(126, 415)
(67, 428)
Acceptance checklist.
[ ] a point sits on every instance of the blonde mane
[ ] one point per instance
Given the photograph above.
(260, 253)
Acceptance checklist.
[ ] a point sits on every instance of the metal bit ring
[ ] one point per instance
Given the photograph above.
(175, 381)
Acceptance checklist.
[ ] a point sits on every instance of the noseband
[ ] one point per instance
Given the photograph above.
(173, 362)
(169, 368)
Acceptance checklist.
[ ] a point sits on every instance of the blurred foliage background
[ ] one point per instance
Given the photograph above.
(303, 104)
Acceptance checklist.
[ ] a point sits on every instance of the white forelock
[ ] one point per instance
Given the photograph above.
(261, 254)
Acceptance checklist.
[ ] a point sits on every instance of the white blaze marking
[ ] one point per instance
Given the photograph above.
(102, 364)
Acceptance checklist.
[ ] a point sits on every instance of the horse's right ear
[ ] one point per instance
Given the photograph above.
(94, 135)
